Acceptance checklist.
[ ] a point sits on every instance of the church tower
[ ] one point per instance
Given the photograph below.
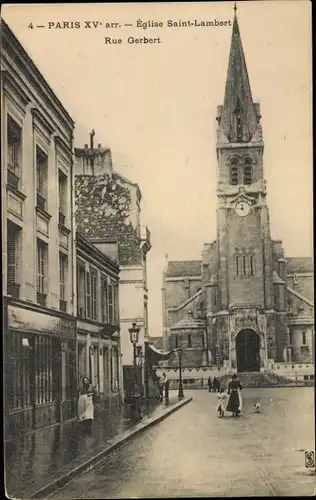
(244, 246)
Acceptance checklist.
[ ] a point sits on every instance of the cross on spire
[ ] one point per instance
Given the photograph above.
(235, 8)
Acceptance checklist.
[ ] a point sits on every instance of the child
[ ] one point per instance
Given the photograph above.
(221, 398)
(257, 407)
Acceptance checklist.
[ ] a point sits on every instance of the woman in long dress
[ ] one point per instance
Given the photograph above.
(86, 404)
(234, 404)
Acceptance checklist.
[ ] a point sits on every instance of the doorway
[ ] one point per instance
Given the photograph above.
(248, 351)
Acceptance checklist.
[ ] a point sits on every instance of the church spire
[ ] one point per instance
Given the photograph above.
(238, 118)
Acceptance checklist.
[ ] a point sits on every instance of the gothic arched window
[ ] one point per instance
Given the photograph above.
(248, 172)
(244, 265)
(251, 265)
(234, 171)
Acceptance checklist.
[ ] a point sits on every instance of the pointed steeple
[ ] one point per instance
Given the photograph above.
(238, 119)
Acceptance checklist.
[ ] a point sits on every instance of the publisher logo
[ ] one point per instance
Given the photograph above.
(309, 459)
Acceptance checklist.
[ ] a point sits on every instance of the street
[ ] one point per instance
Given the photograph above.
(194, 453)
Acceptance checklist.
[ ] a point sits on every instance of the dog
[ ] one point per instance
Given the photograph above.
(257, 407)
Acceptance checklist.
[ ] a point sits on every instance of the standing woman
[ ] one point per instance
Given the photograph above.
(234, 402)
(86, 404)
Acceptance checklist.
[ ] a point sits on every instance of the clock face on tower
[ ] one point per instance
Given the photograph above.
(242, 208)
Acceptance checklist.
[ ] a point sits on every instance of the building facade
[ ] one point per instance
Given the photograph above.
(98, 332)
(256, 304)
(108, 213)
(37, 246)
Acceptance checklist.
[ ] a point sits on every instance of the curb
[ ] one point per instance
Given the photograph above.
(113, 444)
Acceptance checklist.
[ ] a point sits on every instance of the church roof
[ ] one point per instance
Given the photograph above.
(238, 92)
(299, 265)
(184, 268)
(189, 323)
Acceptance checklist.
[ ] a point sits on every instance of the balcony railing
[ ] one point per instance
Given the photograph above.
(41, 298)
(14, 290)
(63, 305)
(40, 201)
(61, 219)
(13, 179)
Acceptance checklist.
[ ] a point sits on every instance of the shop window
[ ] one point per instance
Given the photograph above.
(41, 178)
(18, 369)
(14, 234)
(14, 148)
(44, 357)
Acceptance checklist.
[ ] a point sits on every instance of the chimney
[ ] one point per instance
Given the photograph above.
(86, 146)
(99, 146)
(92, 134)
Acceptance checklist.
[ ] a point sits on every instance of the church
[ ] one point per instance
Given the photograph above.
(243, 305)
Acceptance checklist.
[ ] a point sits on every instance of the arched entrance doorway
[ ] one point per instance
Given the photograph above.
(248, 351)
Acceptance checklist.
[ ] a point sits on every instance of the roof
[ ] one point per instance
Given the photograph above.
(184, 268)
(299, 265)
(238, 92)
(188, 323)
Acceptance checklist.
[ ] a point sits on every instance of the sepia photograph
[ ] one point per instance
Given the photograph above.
(157, 250)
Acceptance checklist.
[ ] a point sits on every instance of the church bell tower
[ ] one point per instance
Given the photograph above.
(245, 280)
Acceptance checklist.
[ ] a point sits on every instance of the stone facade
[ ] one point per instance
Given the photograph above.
(108, 212)
(258, 306)
(38, 249)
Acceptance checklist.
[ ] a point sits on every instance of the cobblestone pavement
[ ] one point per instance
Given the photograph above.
(34, 460)
(194, 453)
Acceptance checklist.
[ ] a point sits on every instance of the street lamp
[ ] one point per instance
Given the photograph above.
(134, 336)
(180, 392)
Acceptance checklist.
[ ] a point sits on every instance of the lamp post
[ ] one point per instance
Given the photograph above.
(134, 336)
(180, 391)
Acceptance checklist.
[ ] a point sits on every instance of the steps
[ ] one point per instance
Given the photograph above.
(257, 379)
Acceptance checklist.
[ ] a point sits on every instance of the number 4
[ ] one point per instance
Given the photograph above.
(31, 26)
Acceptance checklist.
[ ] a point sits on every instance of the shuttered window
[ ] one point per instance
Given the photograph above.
(13, 256)
(104, 299)
(81, 291)
(93, 277)
(111, 309)
(14, 149)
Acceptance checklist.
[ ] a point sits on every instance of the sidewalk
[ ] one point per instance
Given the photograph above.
(34, 461)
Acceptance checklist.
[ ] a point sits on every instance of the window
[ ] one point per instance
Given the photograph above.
(176, 342)
(189, 340)
(81, 291)
(93, 277)
(104, 299)
(41, 271)
(111, 309)
(14, 144)
(62, 191)
(41, 178)
(304, 338)
(13, 257)
(62, 282)
(234, 172)
(91, 295)
(237, 265)
(247, 172)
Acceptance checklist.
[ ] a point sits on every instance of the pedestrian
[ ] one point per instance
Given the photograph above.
(86, 402)
(166, 386)
(234, 404)
(161, 386)
(221, 403)
(209, 383)
(214, 384)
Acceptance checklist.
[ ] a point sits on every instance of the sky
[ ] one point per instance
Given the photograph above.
(154, 105)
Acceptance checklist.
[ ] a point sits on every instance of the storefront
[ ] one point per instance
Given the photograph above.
(40, 368)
